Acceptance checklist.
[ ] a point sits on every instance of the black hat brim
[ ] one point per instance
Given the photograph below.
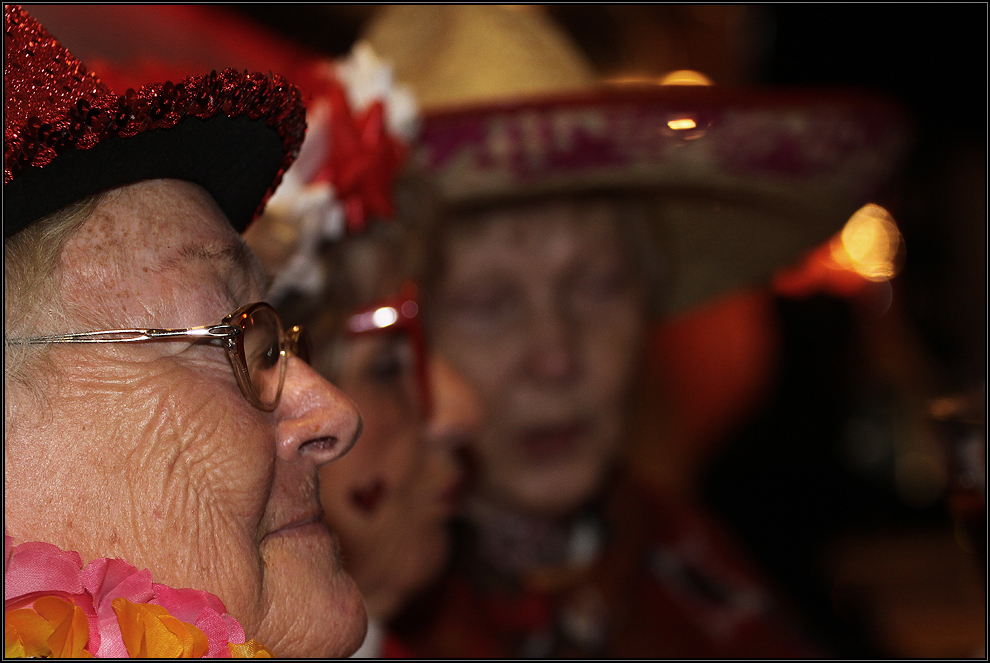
(234, 159)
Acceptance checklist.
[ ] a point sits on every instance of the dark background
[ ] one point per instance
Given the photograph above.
(933, 59)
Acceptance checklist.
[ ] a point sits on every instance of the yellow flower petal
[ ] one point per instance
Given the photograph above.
(14, 649)
(250, 649)
(149, 631)
(194, 642)
(25, 634)
(71, 627)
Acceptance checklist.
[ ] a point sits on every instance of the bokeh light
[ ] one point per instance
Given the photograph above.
(385, 317)
(685, 77)
(680, 77)
(682, 123)
(870, 244)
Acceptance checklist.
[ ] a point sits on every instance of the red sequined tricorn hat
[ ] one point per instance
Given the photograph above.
(68, 136)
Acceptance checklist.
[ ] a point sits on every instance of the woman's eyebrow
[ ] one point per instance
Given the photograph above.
(236, 254)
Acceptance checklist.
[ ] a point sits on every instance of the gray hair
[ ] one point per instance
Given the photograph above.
(31, 291)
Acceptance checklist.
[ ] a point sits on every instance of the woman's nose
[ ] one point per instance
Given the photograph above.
(457, 410)
(551, 357)
(315, 419)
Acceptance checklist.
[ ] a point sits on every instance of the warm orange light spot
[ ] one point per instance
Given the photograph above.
(631, 80)
(685, 77)
(682, 124)
(869, 244)
(680, 77)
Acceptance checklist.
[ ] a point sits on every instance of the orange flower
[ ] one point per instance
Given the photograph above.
(53, 627)
(56, 608)
(25, 634)
(250, 649)
(149, 631)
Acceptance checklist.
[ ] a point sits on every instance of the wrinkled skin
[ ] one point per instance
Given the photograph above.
(149, 452)
(540, 308)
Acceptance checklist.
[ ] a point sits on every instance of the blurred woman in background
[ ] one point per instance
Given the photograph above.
(557, 218)
(391, 502)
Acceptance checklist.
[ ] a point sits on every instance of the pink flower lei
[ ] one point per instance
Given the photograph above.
(55, 607)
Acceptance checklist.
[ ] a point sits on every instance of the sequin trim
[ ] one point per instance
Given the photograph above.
(52, 103)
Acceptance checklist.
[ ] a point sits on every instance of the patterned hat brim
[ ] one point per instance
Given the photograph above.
(745, 180)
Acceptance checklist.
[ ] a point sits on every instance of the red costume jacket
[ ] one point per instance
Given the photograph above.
(666, 582)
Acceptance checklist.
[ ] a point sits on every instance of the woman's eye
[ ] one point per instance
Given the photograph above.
(262, 356)
(485, 310)
(386, 367)
(272, 354)
(392, 362)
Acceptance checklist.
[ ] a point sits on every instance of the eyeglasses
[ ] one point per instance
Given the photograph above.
(256, 344)
(399, 313)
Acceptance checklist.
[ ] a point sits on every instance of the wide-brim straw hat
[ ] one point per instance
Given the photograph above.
(746, 180)
(68, 136)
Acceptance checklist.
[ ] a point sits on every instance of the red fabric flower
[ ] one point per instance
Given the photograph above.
(363, 159)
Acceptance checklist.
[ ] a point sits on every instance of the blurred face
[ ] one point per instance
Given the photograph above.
(391, 497)
(540, 309)
(151, 453)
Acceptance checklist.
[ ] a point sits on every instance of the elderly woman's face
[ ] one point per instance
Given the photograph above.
(150, 452)
(540, 307)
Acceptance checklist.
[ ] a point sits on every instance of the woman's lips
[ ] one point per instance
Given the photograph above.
(451, 496)
(305, 525)
(548, 443)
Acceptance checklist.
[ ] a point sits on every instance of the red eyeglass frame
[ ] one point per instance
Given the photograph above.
(398, 313)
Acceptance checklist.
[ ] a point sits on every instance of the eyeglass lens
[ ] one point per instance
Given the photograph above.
(299, 343)
(263, 341)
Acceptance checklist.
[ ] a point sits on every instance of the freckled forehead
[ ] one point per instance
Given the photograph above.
(164, 228)
(149, 217)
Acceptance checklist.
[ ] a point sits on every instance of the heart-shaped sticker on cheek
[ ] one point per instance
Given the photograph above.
(368, 498)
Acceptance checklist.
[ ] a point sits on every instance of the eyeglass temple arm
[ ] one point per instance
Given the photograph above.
(131, 335)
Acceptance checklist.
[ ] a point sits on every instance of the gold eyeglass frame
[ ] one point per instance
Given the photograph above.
(230, 332)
